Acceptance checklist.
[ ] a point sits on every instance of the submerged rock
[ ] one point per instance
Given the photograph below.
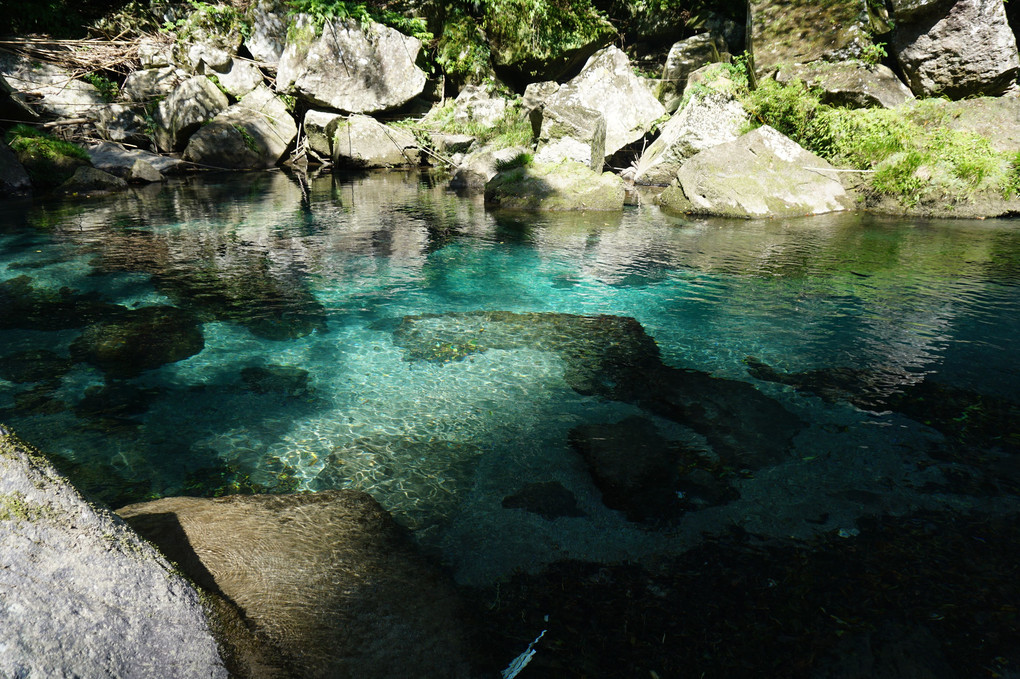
(760, 174)
(22, 305)
(322, 584)
(132, 342)
(83, 595)
(548, 499)
(34, 365)
(282, 379)
(612, 357)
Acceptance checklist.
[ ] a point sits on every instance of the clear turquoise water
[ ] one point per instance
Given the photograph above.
(323, 274)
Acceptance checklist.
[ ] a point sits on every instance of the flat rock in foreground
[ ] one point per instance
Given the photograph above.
(82, 595)
(328, 584)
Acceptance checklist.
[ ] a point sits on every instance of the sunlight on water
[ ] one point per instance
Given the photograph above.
(310, 376)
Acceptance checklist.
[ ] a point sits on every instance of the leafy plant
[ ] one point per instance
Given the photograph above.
(108, 89)
(323, 11)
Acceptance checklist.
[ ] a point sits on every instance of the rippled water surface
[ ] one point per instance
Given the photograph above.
(341, 334)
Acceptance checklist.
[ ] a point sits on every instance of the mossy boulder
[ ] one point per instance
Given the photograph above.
(801, 31)
(132, 342)
(567, 185)
(48, 161)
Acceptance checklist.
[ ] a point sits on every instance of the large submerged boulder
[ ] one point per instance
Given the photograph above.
(254, 133)
(761, 174)
(350, 67)
(567, 185)
(939, 50)
(84, 596)
(320, 584)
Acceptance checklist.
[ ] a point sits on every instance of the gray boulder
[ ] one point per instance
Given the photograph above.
(566, 129)
(480, 165)
(997, 119)
(122, 162)
(12, 107)
(116, 122)
(350, 68)
(853, 84)
(536, 94)
(904, 10)
(320, 127)
(475, 105)
(326, 584)
(254, 133)
(13, 176)
(706, 120)
(761, 174)
(90, 180)
(268, 32)
(193, 103)
(802, 31)
(607, 84)
(450, 144)
(960, 49)
(240, 78)
(154, 53)
(555, 187)
(362, 141)
(150, 84)
(206, 43)
(53, 90)
(84, 596)
(684, 58)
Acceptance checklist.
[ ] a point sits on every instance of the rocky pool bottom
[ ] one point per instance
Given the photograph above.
(697, 448)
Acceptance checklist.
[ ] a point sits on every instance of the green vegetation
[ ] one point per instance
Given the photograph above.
(513, 129)
(322, 11)
(24, 139)
(250, 142)
(215, 18)
(908, 152)
(108, 89)
(521, 160)
(15, 507)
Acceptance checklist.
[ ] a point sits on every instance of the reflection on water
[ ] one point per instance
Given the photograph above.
(248, 334)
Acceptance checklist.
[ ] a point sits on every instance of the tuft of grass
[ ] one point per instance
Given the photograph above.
(521, 160)
(24, 139)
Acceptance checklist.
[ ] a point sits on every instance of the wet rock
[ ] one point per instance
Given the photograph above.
(192, 104)
(938, 54)
(633, 465)
(566, 185)
(83, 595)
(707, 120)
(350, 68)
(326, 584)
(34, 365)
(132, 342)
(760, 174)
(91, 180)
(281, 379)
(362, 141)
(254, 133)
(802, 31)
(866, 389)
(114, 401)
(549, 499)
(24, 306)
(14, 179)
(852, 84)
(46, 166)
(123, 162)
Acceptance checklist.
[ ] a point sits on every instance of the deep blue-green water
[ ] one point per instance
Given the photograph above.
(889, 342)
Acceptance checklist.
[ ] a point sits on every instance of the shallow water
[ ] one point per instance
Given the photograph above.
(848, 312)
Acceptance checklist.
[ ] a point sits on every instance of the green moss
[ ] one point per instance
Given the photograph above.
(48, 161)
(250, 142)
(15, 507)
(908, 152)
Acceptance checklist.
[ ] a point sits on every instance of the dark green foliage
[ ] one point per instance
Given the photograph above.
(61, 18)
(27, 139)
(108, 89)
(322, 11)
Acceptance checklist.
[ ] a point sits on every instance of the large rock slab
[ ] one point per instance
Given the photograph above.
(149, 84)
(706, 120)
(555, 186)
(960, 49)
(51, 89)
(997, 119)
(761, 174)
(685, 57)
(362, 141)
(84, 596)
(607, 84)
(801, 31)
(326, 580)
(193, 103)
(566, 129)
(852, 84)
(350, 68)
(254, 133)
(268, 36)
(118, 160)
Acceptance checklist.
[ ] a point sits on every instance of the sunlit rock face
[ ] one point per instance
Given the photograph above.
(83, 595)
(350, 68)
(326, 584)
